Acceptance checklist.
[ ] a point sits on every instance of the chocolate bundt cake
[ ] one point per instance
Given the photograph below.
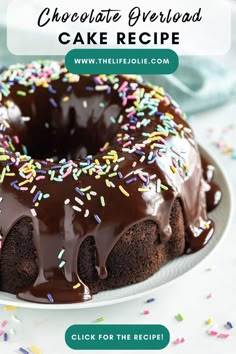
(101, 183)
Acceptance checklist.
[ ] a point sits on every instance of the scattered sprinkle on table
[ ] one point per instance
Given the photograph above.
(150, 300)
(179, 317)
(209, 269)
(99, 319)
(146, 312)
(213, 333)
(35, 350)
(229, 325)
(224, 139)
(24, 351)
(179, 340)
(223, 335)
(9, 308)
(209, 320)
(3, 324)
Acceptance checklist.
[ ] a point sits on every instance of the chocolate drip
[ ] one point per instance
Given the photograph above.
(72, 120)
(212, 190)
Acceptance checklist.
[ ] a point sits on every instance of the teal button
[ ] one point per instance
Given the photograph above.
(112, 337)
(122, 61)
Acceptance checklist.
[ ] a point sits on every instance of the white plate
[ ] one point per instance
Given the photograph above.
(221, 215)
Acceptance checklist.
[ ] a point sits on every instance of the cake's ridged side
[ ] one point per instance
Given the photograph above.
(137, 255)
(18, 266)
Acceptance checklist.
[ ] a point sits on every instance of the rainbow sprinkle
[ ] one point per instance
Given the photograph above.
(99, 319)
(179, 340)
(62, 264)
(209, 321)
(146, 312)
(229, 325)
(24, 351)
(123, 191)
(179, 317)
(35, 350)
(224, 139)
(76, 286)
(3, 324)
(61, 253)
(50, 298)
(9, 308)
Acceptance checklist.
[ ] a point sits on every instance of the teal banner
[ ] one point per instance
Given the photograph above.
(112, 337)
(122, 61)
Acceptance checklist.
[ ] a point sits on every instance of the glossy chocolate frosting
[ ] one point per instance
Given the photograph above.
(92, 156)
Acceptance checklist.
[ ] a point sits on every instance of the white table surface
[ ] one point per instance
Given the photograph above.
(45, 329)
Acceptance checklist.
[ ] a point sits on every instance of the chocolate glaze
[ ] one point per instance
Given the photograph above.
(212, 190)
(72, 118)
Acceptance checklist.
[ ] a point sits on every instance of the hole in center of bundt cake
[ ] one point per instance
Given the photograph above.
(71, 141)
(57, 124)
